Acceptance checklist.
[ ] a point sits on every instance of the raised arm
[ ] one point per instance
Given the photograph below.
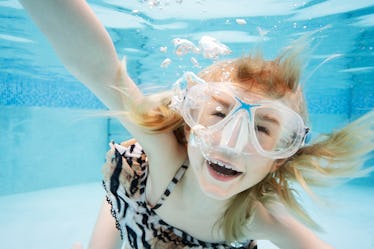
(82, 44)
(87, 51)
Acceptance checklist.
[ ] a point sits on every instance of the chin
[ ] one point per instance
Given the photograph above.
(213, 188)
(215, 192)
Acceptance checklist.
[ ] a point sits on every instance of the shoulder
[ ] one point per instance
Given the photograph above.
(125, 160)
(274, 222)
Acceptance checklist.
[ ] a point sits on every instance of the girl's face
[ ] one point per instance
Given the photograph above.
(227, 156)
(222, 158)
(221, 174)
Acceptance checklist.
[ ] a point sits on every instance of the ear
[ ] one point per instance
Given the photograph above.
(187, 131)
(277, 164)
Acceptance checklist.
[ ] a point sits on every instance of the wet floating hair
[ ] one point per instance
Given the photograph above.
(276, 78)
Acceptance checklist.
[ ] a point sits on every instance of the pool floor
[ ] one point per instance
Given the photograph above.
(58, 218)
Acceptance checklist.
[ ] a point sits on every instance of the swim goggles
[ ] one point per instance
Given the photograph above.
(225, 119)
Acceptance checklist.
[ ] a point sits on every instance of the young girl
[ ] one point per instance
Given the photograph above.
(214, 160)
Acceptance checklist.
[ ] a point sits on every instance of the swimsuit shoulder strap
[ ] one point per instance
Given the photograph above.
(172, 184)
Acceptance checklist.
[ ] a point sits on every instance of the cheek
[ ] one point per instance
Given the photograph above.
(194, 155)
(267, 165)
(258, 170)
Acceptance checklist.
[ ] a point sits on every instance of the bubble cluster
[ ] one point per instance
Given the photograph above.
(211, 48)
(208, 47)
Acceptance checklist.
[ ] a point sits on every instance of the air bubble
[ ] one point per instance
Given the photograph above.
(184, 46)
(241, 21)
(195, 62)
(211, 48)
(163, 49)
(165, 63)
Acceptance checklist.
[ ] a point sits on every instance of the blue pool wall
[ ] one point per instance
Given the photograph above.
(52, 135)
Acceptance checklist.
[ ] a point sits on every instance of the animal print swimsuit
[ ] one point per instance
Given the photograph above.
(139, 225)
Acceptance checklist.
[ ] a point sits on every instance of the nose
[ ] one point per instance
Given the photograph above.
(236, 133)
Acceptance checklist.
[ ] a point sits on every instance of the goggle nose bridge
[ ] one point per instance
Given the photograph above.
(241, 142)
(245, 106)
(233, 133)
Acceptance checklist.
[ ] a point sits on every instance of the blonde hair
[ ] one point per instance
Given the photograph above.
(338, 155)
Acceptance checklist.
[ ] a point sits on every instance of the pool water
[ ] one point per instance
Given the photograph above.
(57, 218)
(53, 138)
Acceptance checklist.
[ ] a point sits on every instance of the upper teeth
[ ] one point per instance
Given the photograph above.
(221, 164)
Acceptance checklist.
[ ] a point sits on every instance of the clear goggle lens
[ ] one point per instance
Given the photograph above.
(222, 120)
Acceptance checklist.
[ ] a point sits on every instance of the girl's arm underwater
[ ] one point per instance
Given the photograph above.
(105, 233)
(274, 223)
(87, 51)
(83, 46)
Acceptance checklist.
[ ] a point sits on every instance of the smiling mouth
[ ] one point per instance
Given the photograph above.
(222, 169)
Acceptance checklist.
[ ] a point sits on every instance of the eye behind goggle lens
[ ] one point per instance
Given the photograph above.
(208, 106)
(274, 130)
(278, 130)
